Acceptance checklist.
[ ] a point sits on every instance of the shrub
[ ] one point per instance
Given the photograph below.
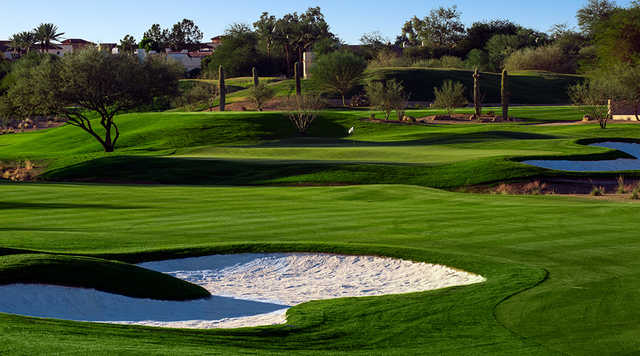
(388, 58)
(198, 95)
(597, 191)
(549, 58)
(450, 96)
(260, 94)
(443, 62)
(306, 110)
(387, 96)
(635, 194)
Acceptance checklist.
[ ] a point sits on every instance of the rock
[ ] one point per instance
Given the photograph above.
(408, 118)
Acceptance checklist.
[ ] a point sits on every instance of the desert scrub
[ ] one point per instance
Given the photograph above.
(449, 96)
(598, 191)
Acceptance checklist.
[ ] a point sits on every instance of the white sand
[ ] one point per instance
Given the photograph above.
(622, 164)
(247, 289)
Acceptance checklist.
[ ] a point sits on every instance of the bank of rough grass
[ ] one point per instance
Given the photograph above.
(103, 275)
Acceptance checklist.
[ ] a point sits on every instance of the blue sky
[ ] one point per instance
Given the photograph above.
(110, 20)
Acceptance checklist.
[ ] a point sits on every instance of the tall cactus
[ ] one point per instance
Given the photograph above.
(221, 88)
(256, 80)
(505, 95)
(476, 94)
(298, 82)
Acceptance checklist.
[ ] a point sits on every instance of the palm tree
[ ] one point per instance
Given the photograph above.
(45, 33)
(23, 42)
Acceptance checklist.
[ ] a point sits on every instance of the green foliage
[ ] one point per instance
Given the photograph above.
(46, 33)
(499, 47)
(593, 95)
(128, 44)
(481, 32)
(197, 95)
(339, 72)
(442, 28)
(260, 94)
(387, 96)
(450, 96)
(550, 58)
(618, 38)
(477, 58)
(238, 54)
(183, 35)
(297, 73)
(24, 41)
(442, 62)
(593, 14)
(91, 81)
(598, 191)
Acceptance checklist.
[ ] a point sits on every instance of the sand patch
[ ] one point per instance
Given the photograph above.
(247, 289)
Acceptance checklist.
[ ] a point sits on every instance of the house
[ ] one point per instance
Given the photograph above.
(6, 50)
(77, 43)
(107, 47)
(190, 60)
(623, 110)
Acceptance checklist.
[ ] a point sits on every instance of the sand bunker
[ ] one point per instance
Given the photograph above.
(622, 164)
(247, 289)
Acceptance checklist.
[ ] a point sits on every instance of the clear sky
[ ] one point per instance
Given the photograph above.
(110, 20)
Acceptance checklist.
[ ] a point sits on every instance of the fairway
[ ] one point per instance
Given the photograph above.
(561, 272)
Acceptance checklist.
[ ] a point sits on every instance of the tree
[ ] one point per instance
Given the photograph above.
(260, 94)
(198, 94)
(45, 33)
(387, 96)
(499, 48)
(128, 44)
(441, 29)
(237, 54)
(593, 95)
(338, 72)
(593, 14)
(92, 82)
(265, 29)
(450, 96)
(23, 42)
(184, 35)
(155, 39)
(481, 32)
(617, 39)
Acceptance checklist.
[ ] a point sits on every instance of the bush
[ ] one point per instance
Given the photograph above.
(443, 62)
(387, 97)
(450, 96)
(260, 94)
(306, 110)
(550, 58)
(200, 94)
(388, 58)
(477, 58)
(597, 191)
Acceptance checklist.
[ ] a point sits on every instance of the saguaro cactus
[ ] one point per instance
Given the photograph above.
(476, 93)
(221, 88)
(298, 83)
(505, 95)
(256, 80)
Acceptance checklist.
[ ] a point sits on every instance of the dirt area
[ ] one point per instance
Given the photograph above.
(455, 119)
(28, 125)
(19, 171)
(597, 188)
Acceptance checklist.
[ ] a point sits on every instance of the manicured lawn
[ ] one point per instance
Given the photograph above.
(562, 273)
(588, 304)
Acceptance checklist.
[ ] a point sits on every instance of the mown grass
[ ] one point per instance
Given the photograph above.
(562, 273)
(263, 148)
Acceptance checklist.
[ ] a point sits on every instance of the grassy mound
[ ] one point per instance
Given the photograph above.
(526, 87)
(107, 276)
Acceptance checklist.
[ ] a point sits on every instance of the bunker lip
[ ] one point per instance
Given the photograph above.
(248, 289)
(617, 165)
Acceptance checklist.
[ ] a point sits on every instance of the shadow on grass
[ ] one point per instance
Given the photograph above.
(439, 139)
(47, 206)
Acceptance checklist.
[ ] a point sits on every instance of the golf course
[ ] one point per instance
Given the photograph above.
(561, 270)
